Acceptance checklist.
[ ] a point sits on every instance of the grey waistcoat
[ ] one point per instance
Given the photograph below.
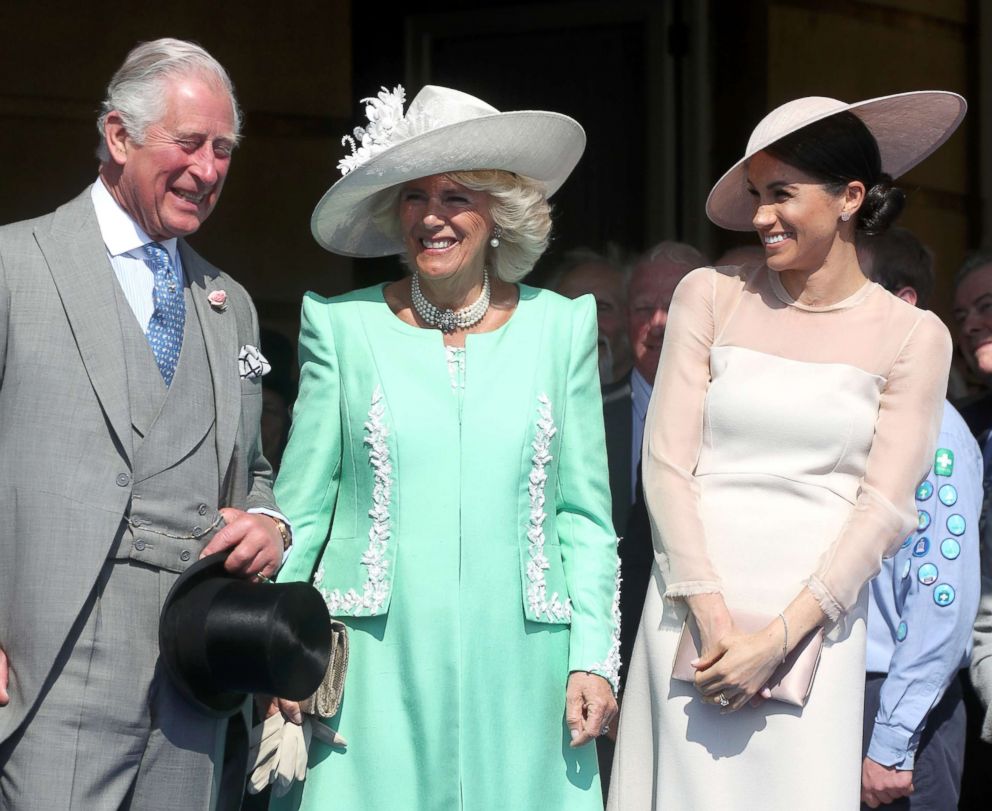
(174, 496)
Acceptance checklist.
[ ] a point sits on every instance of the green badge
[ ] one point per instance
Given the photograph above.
(943, 462)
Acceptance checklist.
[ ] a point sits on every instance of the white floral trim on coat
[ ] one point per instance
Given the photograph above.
(376, 588)
(610, 667)
(537, 590)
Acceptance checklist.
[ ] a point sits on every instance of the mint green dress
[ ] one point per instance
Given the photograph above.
(453, 509)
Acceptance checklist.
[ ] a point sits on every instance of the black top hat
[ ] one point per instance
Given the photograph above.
(222, 637)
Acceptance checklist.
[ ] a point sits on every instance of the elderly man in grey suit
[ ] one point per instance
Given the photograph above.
(130, 397)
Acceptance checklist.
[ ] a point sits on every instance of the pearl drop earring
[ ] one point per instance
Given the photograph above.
(497, 233)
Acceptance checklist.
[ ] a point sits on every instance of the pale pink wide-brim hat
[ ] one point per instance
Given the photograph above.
(907, 126)
(443, 130)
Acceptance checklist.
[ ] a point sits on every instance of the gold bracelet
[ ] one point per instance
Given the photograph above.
(785, 639)
(287, 540)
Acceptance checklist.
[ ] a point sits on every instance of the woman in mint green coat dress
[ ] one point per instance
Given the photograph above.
(446, 476)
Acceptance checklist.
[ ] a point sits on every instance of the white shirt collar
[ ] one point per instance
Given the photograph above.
(121, 234)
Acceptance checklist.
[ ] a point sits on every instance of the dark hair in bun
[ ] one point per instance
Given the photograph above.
(882, 205)
(837, 150)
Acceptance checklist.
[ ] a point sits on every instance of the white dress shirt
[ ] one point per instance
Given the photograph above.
(125, 239)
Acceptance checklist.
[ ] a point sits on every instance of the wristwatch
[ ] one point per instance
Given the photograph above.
(287, 538)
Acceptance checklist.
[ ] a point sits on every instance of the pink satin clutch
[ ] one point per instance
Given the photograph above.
(792, 680)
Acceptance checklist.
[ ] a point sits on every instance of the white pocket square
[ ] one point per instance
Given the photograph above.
(252, 363)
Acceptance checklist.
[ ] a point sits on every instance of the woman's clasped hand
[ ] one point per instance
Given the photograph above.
(733, 667)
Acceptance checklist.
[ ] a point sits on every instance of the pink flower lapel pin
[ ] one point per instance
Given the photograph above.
(218, 300)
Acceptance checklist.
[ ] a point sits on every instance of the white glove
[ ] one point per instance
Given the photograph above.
(291, 759)
(263, 743)
(281, 757)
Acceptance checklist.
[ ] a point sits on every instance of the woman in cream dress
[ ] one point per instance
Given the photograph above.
(795, 410)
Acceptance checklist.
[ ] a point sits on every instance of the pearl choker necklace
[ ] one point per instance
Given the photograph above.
(448, 320)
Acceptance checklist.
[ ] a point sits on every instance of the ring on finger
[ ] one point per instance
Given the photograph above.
(723, 700)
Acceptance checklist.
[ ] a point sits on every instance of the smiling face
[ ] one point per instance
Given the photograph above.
(171, 182)
(649, 298)
(973, 314)
(446, 227)
(796, 217)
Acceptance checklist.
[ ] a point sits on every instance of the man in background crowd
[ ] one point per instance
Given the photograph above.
(584, 271)
(655, 275)
(923, 601)
(973, 316)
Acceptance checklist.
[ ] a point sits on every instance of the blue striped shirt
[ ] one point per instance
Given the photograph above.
(125, 239)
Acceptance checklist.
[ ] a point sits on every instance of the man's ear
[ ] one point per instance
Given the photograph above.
(116, 137)
(907, 294)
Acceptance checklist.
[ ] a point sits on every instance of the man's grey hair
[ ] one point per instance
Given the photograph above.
(678, 253)
(137, 91)
(973, 262)
(612, 256)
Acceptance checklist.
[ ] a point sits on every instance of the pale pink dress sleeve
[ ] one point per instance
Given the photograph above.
(901, 453)
(909, 411)
(673, 437)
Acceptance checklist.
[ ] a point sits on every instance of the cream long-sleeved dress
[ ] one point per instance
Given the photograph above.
(782, 447)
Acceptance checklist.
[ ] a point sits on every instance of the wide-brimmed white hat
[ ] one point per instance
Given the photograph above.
(443, 130)
(907, 126)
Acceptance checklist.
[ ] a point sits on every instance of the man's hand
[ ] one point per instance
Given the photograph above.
(881, 785)
(589, 706)
(4, 672)
(254, 541)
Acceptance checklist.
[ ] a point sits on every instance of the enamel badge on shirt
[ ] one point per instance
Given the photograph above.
(943, 462)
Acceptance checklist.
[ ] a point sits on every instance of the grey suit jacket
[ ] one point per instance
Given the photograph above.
(65, 427)
(981, 657)
(617, 410)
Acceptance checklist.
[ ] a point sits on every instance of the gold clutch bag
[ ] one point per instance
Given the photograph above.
(792, 680)
(324, 703)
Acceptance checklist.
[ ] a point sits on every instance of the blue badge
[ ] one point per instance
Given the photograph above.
(908, 541)
(943, 595)
(923, 520)
(950, 548)
(948, 495)
(901, 631)
(924, 491)
(905, 569)
(921, 548)
(955, 524)
(927, 574)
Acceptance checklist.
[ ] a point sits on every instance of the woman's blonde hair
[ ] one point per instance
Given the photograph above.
(517, 204)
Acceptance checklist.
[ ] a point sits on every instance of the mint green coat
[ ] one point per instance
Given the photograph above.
(467, 543)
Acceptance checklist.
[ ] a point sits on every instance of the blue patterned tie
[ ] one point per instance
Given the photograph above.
(165, 329)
